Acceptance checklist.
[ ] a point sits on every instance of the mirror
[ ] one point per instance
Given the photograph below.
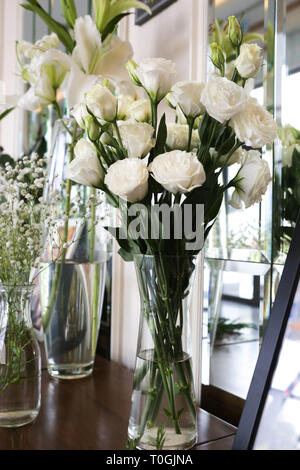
(247, 249)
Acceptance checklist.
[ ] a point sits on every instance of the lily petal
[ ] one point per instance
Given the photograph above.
(88, 43)
(113, 62)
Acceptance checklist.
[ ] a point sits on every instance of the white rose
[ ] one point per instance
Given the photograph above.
(156, 76)
(128, 179)
(236, 157)
(178, 171)
(223, 98)
(254, 125)
(249, 60)
(254, 177)
(137, 138)
(187, 95)
(177, 137)
(102, 103)
(85, 168)
(140, 110)
(124, 102)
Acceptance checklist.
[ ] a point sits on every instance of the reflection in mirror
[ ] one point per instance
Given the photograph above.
(242, 261)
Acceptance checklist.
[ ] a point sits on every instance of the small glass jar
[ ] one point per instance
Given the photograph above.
(20, 359)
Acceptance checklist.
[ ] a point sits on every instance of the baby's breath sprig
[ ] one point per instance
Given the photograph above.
(24, 217)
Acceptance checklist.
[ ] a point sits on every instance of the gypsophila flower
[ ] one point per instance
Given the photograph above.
(24, 216)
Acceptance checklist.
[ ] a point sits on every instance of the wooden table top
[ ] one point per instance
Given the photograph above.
(92, 414)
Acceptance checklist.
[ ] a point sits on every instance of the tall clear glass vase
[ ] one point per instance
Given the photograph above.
(163, 412)
(73, 272)
(20, 360)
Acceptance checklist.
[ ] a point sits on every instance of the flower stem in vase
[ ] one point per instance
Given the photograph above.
(96, 284)
(46, 318)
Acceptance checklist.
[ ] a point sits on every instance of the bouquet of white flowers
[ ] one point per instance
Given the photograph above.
(165, 178)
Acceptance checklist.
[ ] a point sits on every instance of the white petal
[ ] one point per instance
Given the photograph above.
(113, 62)
(77, 84)
(88, 42)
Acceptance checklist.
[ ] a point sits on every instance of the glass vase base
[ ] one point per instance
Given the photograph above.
(16, 419)
(70, 371)
(184, 441)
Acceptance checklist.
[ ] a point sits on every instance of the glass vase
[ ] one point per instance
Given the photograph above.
(73, 271)
(20, 360)
(163, 411)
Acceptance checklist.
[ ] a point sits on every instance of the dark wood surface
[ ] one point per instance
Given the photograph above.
(92, 414)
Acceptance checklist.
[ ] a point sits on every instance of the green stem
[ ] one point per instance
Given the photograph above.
(190, 122)
(95, 297)
(154, 115)
(116, 127)
(59, 266)
(237, 145)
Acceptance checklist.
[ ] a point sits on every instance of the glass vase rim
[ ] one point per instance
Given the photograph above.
(168, 256)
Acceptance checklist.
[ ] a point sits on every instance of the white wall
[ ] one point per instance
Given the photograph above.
(11, 29)
(178, 33)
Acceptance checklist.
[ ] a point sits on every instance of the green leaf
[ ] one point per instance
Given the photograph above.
(69, 11)
(109, 28)
(167, 413)
(119, 6)
(227, 145)
(126, 255)
(160, 140)
(205, 128)
(5, 113)
(101, 13)
(52, 24)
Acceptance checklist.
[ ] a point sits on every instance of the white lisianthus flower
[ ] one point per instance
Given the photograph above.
(157, 76)
(177, 137)
(254, 125)
(140, 110)
(137, 138)
(102, 103)
(223, 98)
(287, 135)
(128, 179)
(85, 168)
(254, 177)
(187, 95)
(249, 60)
(178, 171)
(80, 113)
(124, 102)
(287, 154)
